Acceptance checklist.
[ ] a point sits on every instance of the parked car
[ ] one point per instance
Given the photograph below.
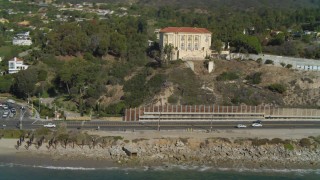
(256, 125)
(49, 125)
(241, 126)
(5, 107)
(13, 110)
(5, 114)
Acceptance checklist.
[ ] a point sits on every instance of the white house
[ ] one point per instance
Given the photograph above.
(15, 65)
(189, 43)
(22, 39)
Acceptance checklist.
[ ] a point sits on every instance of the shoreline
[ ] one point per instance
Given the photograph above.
(168, 150)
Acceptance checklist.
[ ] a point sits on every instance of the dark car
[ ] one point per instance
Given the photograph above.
(13, 110)
(257, 121)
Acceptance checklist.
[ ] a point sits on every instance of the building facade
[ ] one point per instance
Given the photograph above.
(16, 65)
(22, 39)
(188, 43)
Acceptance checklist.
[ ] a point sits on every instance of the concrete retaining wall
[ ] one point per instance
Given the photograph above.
(297, 63)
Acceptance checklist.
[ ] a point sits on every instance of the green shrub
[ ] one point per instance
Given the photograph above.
(173, 99)
(268, 61)
(259, 142)
(42, 131)
(289, 66)
(117, 138)
(254, 78)
(283, 64)
(288, 146)
(280, 88)
(305, 142)
(259, 61)
(6, 82)
(12, 133)
(276, 141)
(227, 76)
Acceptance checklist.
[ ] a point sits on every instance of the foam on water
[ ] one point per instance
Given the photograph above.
(299, 172)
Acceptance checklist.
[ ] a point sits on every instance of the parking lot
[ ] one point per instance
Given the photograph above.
(9, 110)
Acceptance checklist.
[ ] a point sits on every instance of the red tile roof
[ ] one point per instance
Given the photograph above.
(184, 29)
(16, 59)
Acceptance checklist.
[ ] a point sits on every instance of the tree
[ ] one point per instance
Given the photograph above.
(279, 39)
(6, 82)
(249, 43)
(24, 84)
(217, 45)
(168, 50)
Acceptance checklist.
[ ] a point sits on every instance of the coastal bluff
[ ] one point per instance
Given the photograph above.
(200, 150)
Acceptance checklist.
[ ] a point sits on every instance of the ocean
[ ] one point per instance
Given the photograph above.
(10, 171)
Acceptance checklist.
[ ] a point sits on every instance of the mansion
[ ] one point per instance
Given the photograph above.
(189, 43)
(16, 65)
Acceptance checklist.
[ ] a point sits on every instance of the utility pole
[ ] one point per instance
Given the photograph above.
(211, 123)
(39, 104)
(159, 115)
(55, 112)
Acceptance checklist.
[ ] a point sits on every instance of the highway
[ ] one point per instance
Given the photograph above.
(123, 126)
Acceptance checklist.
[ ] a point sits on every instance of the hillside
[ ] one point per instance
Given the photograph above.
(301, 87)
(236, 4)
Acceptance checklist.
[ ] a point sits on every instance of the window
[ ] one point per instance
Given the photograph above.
(196, 38)
(196, 46)
(207, 38)
(182, 46)
(165, 39)
(170, 37)
(182, 38)
(11, 65)
(189, 38)
(189, 46)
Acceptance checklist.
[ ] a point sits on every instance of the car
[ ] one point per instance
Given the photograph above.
(257, 121)
(5, 107)
(5, 114)
(13, 110)
(256, 125)
(241, 126)
(49, 125)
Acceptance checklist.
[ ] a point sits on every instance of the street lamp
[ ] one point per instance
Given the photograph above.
(21, 117)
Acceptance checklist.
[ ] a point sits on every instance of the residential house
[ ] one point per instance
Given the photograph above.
(15, 65)
(188, 43)
(22, 39)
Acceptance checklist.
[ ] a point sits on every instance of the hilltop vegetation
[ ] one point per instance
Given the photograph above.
(103, 64)
(217, 4)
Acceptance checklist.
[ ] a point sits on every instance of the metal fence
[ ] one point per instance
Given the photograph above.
(209, 112)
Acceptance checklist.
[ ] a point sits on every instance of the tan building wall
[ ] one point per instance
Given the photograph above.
(187, 45)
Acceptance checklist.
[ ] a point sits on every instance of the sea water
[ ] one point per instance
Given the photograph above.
(9, 171)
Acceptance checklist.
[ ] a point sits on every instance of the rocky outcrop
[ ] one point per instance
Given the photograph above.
(216, 151)
(219, 152)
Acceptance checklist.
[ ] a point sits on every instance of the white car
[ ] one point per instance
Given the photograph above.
(241, 126)
(5, 114)
(256, 125)
(49, 125)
